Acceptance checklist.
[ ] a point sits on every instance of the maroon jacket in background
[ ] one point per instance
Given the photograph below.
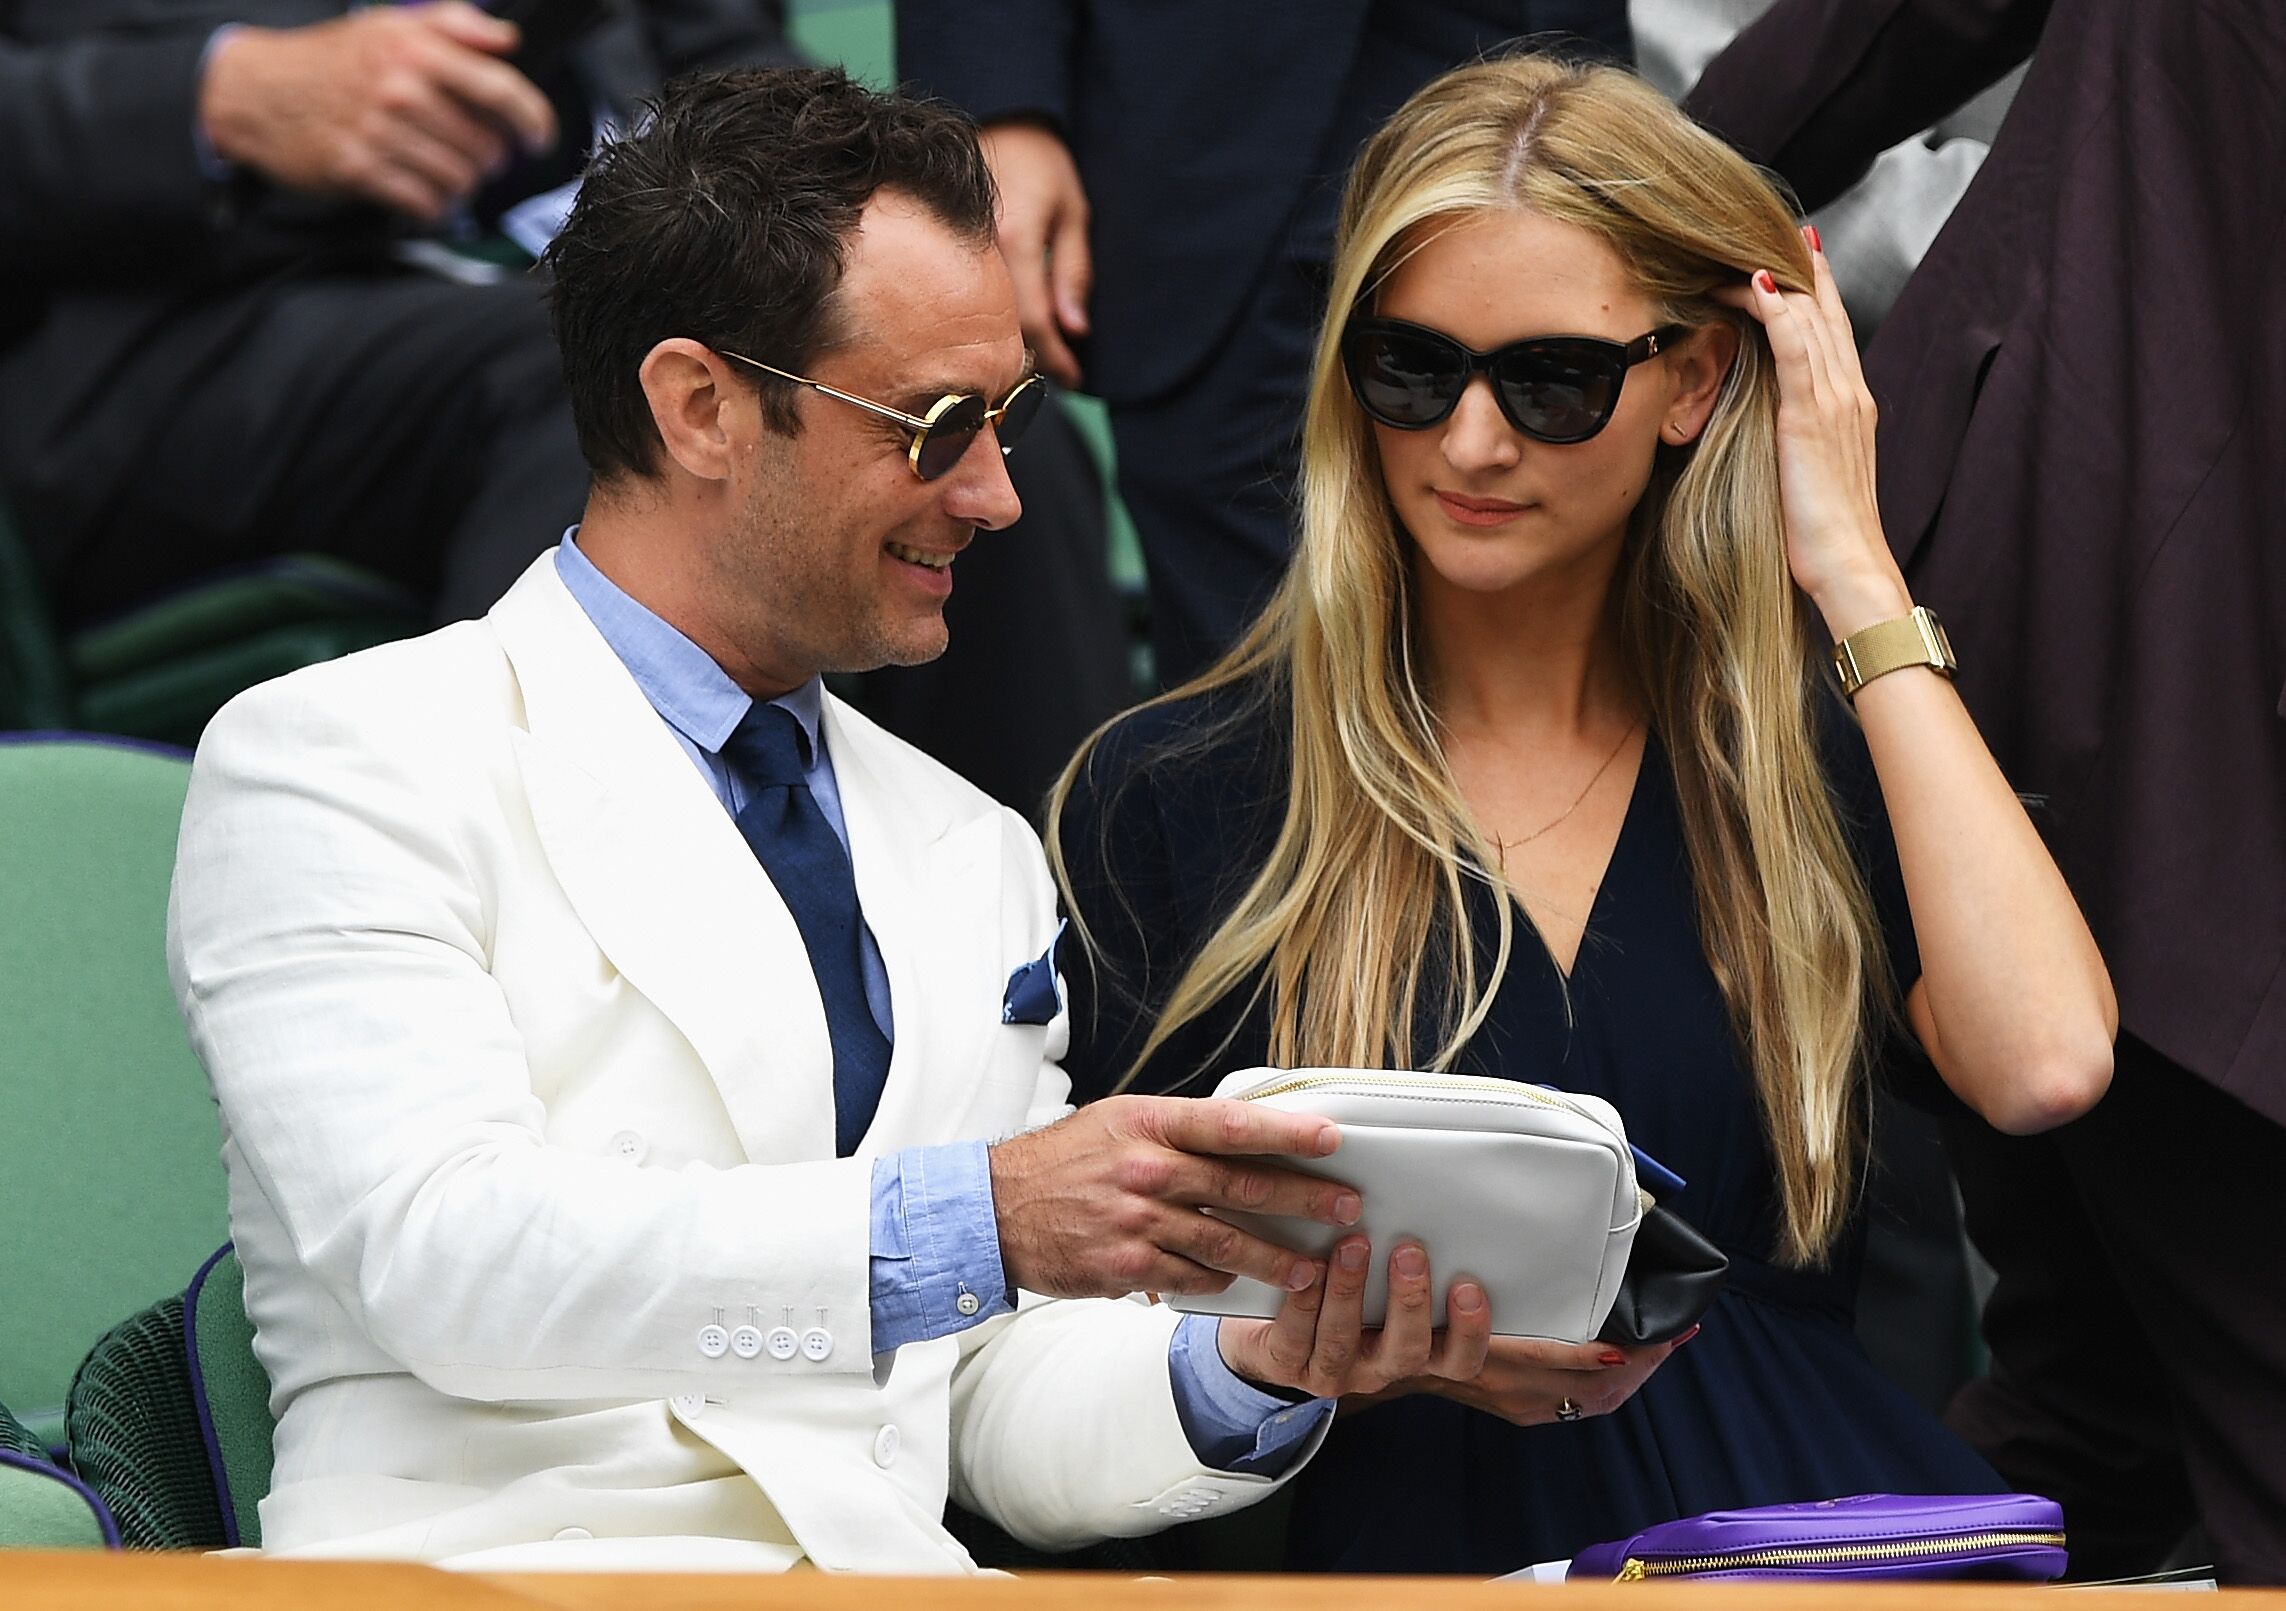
(2083, 447)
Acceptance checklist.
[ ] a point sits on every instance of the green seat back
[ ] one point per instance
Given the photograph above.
(98, 1087)
(42, 1507)
(169, 1418)
(134, 1428)
(34, 690)
(288, 591)
(233, 1395)
(172, 700)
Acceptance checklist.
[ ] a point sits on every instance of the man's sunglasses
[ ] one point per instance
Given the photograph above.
(1552, 388)
(943, 434)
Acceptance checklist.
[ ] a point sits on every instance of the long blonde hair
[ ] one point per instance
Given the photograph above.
(1357, 919)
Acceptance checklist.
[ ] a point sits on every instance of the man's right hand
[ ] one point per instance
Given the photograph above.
(407, 106)
(1043, 236)
(1106, 1202)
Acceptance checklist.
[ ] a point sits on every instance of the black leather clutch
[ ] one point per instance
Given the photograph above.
(1673, 1274)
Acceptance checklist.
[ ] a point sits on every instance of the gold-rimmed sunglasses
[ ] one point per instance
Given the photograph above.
(943, 434)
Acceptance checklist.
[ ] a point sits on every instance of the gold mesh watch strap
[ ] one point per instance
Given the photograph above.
(1917, 639)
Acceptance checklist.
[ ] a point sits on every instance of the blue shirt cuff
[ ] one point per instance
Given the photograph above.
(935, 1245)
(1232, 1425)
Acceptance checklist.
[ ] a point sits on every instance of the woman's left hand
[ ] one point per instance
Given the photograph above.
(1834, 544)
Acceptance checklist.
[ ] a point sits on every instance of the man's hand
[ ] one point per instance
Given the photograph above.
(1320, 1345)
(1043, 235)
(1106, 1202)
(408, 106)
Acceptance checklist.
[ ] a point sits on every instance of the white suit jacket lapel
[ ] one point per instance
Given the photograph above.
(660, 876)
(928, 881)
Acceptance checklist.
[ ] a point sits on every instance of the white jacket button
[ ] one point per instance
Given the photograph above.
(713, 1341)
(782, 1342)
(572, 1534)
(885, 1444)
(690, 1406)
(968, 1302)
(746, 1342)
(629, 1147)
(817, 1342)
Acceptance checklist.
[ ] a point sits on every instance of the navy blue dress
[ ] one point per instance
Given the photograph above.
(1772, 1401)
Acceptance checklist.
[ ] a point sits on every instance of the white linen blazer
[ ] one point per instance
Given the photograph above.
(525, 1085)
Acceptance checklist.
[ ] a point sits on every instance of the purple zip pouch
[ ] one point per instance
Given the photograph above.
(1868, 1536)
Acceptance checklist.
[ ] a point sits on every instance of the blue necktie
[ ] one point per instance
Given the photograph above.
(797, 847)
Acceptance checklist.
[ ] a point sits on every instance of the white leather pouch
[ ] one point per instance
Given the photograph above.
(1529, 1191)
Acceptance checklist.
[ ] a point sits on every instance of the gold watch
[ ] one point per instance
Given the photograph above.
(1917, 639)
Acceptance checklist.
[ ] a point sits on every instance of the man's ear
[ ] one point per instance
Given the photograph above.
(694, 406)
(1702, 364)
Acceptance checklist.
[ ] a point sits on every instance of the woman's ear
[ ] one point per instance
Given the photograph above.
(1701, 364)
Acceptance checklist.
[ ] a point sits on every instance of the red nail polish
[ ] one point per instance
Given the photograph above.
(1614, 1357)
(1686, 1336)
(1815, 244)
(1767, 281)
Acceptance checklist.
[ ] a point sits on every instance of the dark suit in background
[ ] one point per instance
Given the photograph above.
(2083, 396)
(197, 371)
(1213, 138)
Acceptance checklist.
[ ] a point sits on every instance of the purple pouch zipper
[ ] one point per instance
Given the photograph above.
(1869, 1536)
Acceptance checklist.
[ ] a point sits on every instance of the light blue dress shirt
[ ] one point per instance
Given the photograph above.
(934, 1237)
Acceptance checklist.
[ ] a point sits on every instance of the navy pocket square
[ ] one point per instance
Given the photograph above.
(1031, 996)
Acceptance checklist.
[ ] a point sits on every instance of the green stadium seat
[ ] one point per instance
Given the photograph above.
(161, 669)
(231, 1393)
(98, 1086)
(43, 1506)
(133, 1424)
(170, 1418)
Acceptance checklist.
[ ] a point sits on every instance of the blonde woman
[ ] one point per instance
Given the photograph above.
(1536, 768)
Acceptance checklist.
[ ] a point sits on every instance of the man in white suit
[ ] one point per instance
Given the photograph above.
(609, 1026)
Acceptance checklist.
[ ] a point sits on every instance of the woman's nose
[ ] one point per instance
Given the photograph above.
(1477, 435)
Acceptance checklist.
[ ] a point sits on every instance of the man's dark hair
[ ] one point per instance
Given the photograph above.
(725, 217)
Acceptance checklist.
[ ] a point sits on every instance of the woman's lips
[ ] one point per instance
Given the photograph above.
(1479, 511)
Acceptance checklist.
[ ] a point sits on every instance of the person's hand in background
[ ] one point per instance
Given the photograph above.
(1043, 235)
(411, 107)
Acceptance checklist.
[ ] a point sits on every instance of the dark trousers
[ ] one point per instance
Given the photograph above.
(406, 424)
(2138, 1331)
(1207, 468)
(1207, 471)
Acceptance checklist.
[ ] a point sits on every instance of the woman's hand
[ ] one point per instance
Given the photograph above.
(1531, 1382)
(2013, 1005)
(1319, 1344)
(1834, 544)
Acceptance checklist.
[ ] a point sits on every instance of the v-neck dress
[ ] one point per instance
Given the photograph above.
(1773, 1401)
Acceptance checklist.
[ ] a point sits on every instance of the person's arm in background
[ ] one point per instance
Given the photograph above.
(109, 143)
(1009, 66)
(1816, 90)
(96, 154)
(1878, 230)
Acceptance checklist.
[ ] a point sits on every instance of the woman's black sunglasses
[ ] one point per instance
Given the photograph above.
(953, 421)
(1552, 388)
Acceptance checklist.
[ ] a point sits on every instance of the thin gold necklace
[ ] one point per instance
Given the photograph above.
(1504, 846)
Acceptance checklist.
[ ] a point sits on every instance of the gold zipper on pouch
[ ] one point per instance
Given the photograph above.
(1474, 1082)
(1445, 1082)
(1636, 1570)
